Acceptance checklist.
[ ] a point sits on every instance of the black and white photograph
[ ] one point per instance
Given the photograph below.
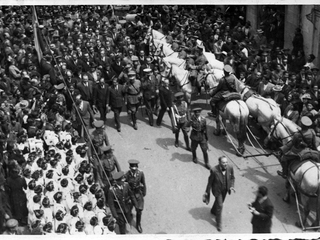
(151, 120)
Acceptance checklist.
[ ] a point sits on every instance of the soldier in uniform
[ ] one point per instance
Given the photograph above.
(108, 165)
(100, 134)
(133, 97)
(137, 184)
(302, 146)
(226, 85)
(182, 116)
(150, 90)
(199, 136)
(120, 201)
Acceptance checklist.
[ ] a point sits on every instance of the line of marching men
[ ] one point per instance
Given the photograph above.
(68, 192)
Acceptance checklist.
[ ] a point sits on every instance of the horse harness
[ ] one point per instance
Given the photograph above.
(274, 131)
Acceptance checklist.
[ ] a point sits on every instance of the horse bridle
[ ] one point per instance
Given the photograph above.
(274, 131)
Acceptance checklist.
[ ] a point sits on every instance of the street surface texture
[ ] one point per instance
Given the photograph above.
(175, 185)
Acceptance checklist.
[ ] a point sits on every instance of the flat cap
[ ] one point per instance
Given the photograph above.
(117, 175)
(105, 148)
(306, 121)
(133, 162)
(197, 109)
(179, 94)
(227, 68)
(11, 223)
(98, 124)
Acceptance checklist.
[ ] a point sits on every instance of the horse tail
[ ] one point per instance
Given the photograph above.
(243, 121)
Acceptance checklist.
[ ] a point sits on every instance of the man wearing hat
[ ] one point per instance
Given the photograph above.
(133, 96)
(100, 134)
(12, 228)
(182, 116)
(292, 150)
(136, 180)
(150, 88)
(120, 199)
(226, 85)
(107, 166)
(199, 136)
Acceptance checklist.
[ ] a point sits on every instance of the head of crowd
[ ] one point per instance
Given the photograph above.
(92, 44)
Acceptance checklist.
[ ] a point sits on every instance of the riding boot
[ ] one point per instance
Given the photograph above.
(134, 120)
(176, 143)
(206, 159)
(284, 171)
(138, 221)
(186, 139)
(194, 156)
(213, 111)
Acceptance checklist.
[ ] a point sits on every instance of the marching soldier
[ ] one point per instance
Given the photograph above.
(150, 93)
(99, 135)
(110, 165)
(133, 97)
(137, 184)
(119, 201)
(199, 136)
(182, 116)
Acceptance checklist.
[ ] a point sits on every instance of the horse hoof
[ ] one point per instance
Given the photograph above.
(240, 152)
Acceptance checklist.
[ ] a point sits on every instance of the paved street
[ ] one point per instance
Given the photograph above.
(175, 184)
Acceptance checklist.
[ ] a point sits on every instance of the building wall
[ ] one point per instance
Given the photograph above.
(291, 22)
(252, 16)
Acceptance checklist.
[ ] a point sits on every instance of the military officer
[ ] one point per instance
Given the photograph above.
(133, 97)
(182, 116)
(199, 136)
(137, 184)
(226, 85)
(303, 143)
(99, 135)
(150, 90)
(120, 201)
(109, 165)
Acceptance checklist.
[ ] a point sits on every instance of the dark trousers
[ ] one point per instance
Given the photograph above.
(103, 112)
(117, 112)
(161, 114)
(204, 147)
(122, 222)
(218, 205)
(150, 105)
(259, 229)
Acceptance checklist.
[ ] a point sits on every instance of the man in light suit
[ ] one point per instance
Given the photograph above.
(220, 182)
(86, 114)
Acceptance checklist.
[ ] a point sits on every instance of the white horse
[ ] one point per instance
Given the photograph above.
(164, 49)
(181, 76)
(213, 63)
(175, 61)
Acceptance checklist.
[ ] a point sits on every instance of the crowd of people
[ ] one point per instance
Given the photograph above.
(85, 60)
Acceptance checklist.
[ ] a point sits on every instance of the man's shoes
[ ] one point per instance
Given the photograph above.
(211, 114)
(139, 228)
(280, 173)
(188, 149)
(151, 124)
(213, 212)
(195, 160)
(119, 129)
(219, 229)
(135, 127)
(176, 144)
(208, 166)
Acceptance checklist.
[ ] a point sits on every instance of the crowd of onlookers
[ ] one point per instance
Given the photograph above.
(83, 47)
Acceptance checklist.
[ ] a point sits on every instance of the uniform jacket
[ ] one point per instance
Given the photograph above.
(136, 182)
(263, 221)
(124, 197)
(133, 92)
(226, 84)
(215, 180)
(166, 97)
(149, 87)
(116, 97)
(199, 128)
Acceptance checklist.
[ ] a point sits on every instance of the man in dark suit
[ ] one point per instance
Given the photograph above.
(100, 96)
(220, 182)
(262, 211)
(116, 100)
(86, 114)
(86, 89)
(120, 200)
(166, 100)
